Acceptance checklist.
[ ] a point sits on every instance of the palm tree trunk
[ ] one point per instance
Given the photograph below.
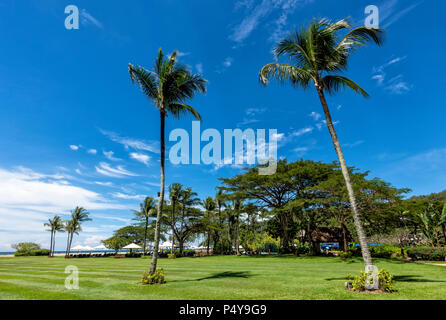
(161, 199)
(237, 240)
(356, 216)
(68, 242)
(145, 236)
(173, 228)
(208, 242)
(54, 242)
(51, 244)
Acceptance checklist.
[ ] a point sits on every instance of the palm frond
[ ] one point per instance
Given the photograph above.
(285, 73)
(178, 109)
(359, 37)
(147, 80)
(333, 84)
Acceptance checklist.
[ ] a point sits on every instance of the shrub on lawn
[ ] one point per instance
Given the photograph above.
(35, 252)
(345, 255)
(427, 253)
(156, 278)
(29, 249)
(386, 281)
(382, 251)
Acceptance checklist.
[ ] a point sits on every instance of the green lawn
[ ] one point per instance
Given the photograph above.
(225, 277)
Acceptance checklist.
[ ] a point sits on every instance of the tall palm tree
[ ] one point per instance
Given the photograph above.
(220, 202)
(238, 207)
(73, 226)
(317, 55)
(146, 209)
(55, 225)
(168, 86)
(209, 206)
(174, 195)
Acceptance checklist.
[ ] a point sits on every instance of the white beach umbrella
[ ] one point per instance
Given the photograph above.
(132, 246)
(167, 245)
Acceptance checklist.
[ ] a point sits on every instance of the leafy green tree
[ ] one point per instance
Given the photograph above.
(291, 188)
(431, 222)
(114, 243)
(55, 225)
(26, 247)
(376, 198)
(168, 86)
(143, 215)
(131, 234)
(319, 55)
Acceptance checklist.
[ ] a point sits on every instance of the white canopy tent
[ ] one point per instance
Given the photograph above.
(78, 248)
(132, 246)
(166, 245)
(100, 247)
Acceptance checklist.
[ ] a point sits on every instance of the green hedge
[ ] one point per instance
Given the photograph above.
(36, 252)
(381, 251)
(427, 253)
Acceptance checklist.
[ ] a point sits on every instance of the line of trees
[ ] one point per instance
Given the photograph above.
(72, 227)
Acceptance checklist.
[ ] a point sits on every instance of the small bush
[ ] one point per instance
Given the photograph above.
(35, 252)
(382, 251)
(345, 255)
(156, 278)
(427, 253)
(386, 281)
(302, 249)
(171, 256)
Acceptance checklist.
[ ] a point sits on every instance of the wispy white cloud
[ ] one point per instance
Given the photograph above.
(141, 157)
(199, 67)
(256, 15)
(120, 195)
(354, 144)
(397, 85)
(301, 132)
(114, 172)
(228, 62)
(132, 142)
(379, 73)
(110, 155)
(390, 14)
(104, 184)
(316, 116)
(88, 19)
(74, 147)
(250, 113)
(92, 151)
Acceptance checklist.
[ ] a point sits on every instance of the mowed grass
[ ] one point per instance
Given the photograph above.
(219, 277)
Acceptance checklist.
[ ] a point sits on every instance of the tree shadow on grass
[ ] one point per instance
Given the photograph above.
(402, 278)
(220, 275)
(414, 278)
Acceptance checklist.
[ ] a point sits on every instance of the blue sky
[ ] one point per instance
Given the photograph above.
(75, 131)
